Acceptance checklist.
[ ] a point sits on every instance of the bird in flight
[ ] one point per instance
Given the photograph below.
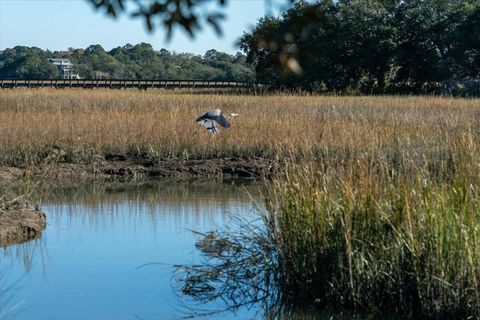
(213, 119)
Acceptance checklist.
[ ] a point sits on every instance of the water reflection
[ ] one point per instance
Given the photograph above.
(86, 264)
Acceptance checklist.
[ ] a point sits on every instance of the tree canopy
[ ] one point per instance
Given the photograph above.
(139, 61)
(25, 62)
(370, 46)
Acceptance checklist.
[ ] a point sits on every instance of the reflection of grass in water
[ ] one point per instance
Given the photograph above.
(150, 192)
(237, 269)
(107, 205)
(9, 305)
(25, 252)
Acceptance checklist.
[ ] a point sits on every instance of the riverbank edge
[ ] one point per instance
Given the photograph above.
(123, 169)
(20, 225)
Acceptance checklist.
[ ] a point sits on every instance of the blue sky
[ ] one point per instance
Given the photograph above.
(59, 24)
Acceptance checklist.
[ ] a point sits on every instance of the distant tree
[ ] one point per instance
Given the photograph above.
(164, 53)
(241, 71)
(103, 65)
(369, 46)
(425, 39)
(263, 51)
(468, 44)
(27, 63)
(364, 44)
(139, 61)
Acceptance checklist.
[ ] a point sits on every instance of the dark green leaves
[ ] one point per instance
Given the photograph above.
(188, 15)
(370, 46)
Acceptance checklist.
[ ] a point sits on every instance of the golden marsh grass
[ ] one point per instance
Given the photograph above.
(161, 123)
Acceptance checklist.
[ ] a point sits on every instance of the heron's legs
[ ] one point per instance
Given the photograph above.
(196, 131)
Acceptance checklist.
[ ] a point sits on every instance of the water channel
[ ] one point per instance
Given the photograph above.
(108, 251)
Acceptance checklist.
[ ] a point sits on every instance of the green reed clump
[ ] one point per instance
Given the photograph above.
(363, 236)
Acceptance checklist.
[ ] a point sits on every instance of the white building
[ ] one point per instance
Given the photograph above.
(65, 67)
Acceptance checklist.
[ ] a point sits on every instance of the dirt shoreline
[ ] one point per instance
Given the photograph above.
(120, 168)
(20, 225)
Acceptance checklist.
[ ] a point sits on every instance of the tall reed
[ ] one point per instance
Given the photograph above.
(392, 231)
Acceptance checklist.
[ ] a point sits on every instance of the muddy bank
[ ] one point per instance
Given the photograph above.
(120, 168)
(20, 225)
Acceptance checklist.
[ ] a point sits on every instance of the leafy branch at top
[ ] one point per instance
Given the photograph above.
(186, 14)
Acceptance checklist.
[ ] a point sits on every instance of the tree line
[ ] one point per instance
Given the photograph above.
(139, 61)
(370, 46)
(339, 46)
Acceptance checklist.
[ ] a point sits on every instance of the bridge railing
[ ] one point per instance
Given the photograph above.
(122, 83)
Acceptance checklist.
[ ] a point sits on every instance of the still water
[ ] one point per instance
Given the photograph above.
(108, 251)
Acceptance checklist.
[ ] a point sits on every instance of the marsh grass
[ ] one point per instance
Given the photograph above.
(84, 126)
(9, 200)
(391, 230)
(408, 244)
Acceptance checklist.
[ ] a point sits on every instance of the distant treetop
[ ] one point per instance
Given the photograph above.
(139, 61)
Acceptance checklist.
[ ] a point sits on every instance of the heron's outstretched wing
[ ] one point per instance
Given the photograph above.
(222, 121)
(215, 115)
(210, 125)
(202, 117)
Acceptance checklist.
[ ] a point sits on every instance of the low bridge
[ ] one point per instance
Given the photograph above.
(122, 83)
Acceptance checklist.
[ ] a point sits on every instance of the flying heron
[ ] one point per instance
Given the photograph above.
(212, 119)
